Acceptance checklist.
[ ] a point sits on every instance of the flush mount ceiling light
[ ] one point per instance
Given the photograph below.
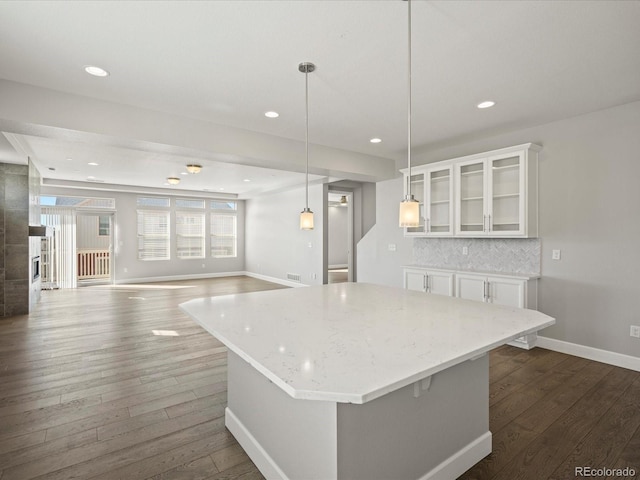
(486, 104)
(409, 207)
(306, 216)
(376, 140)
(343, 200)
(96, 71)
(271, 114)
(194, 168)
(173, 180)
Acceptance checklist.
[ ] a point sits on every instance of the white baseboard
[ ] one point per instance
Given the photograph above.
(280, 281)
(267, 466)
(338, 265)
(590, 353)
(462, 460)
(171, 278)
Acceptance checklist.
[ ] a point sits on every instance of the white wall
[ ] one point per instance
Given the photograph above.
(338, 235)
(376, 262)
(589, 201)
(275, 245)
(125, 243)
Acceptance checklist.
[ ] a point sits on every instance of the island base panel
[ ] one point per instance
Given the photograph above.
(414, 432)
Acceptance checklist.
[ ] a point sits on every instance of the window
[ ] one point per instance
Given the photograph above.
(104, 226)
(223, 205)
(153, 202)
(153, 235)
(223, 235)
(190, 234)
(189, 203)
(77, 202)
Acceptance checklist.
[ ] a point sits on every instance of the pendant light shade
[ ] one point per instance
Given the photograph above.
(306, 216)
(409, 207)
(409, 212)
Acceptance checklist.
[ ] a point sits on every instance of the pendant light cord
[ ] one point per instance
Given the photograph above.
(306, 134)
(409, 106)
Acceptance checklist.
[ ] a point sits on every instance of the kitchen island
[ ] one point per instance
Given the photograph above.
(360, 381)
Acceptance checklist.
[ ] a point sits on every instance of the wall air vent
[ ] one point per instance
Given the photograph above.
(295, 277)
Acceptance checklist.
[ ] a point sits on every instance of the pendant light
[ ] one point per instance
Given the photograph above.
(409, 207)
(306, 216)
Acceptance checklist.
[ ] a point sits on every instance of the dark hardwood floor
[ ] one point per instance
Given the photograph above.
(117, 383)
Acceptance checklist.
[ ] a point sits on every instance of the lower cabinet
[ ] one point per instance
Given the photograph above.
(430, 281)
(520, 292)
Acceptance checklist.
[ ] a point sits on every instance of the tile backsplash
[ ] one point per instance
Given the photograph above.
(505, 255)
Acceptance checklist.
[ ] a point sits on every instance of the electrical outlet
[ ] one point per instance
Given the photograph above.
(555, 254)
(465, 250)
(392, 247)
(635, 331)
(126, 269)
(314, 275)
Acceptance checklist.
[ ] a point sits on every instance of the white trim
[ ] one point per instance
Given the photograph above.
(590, 353)
(267, 466)
(280, 281)
(462, 460)
(170, 278)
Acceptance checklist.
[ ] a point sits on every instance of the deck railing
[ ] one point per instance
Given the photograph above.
(93, 264)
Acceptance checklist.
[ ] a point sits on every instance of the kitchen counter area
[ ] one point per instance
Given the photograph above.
(360, 381)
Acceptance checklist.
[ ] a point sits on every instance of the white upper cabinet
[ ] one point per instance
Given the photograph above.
(492, 194)
(433, 189)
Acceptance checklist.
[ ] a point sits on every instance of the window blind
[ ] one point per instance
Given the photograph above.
(153, 235)
(190, 234)
(223, 235)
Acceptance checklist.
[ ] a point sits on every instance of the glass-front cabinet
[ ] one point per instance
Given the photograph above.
(433, 189)
(497, 195)
(492, 194)
(491, 200)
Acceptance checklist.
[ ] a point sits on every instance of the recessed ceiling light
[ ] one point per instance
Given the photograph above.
(91, 177)
(96, 71)
(271, 114)
(486, 104)
(221, 189)
(246, 180)
(93, 164)
(184, 173)
(376, 140)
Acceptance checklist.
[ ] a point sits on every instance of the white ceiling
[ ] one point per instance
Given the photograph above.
(227, 62)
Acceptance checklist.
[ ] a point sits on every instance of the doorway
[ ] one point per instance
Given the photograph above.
(340, 237)
(94, 247)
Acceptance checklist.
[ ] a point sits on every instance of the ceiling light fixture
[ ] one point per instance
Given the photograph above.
(173, 180)
(376, 140)
(409, 207)
(93, 164)
(343, 200)
(486, 104)
(96, 71)
(194, 168)
(306, 216)
(271, 114)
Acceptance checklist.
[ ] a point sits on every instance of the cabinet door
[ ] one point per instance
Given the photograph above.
(415, 280)
(418, 192)
(440, 283)
(471, 287)
(504, 291)
(506, 194)
(439, 202)
(470, 198)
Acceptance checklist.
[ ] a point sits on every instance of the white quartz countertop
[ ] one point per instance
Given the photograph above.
(489, 273)
(353, 342)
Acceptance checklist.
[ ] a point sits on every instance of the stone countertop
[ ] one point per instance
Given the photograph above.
(524, 276)
(354, 342)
